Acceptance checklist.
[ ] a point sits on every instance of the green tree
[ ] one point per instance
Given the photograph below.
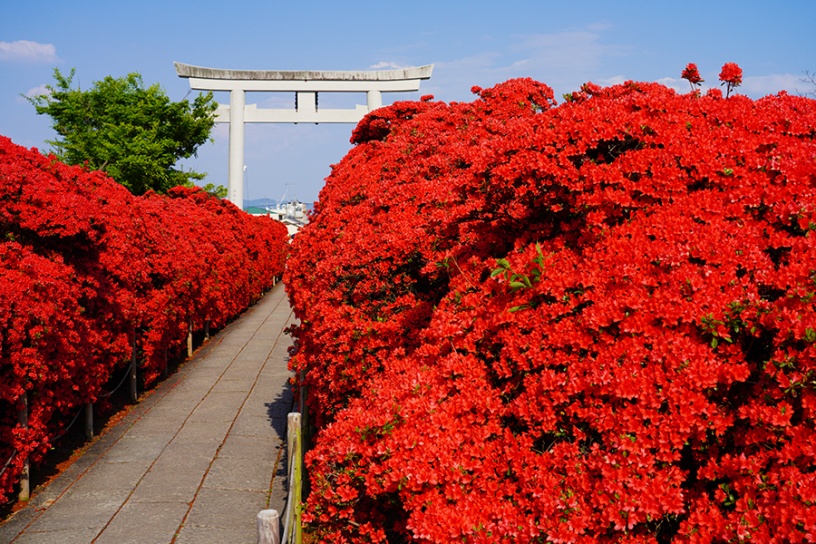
(218, 191)
(134, 134)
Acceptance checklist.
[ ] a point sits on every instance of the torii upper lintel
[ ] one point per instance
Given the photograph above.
(306, 84)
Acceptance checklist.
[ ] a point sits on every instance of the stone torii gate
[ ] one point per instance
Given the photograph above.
(306, 85)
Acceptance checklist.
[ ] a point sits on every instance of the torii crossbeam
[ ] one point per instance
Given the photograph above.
(306, 85)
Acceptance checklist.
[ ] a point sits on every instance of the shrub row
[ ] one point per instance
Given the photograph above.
(585, 322)
(85, 265)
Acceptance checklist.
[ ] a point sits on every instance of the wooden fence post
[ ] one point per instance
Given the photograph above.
(134, 384)
(304, 411)
(294, 445)
(268, 527)
(25, 475)
(89, 421)
(190, 338)
(302, 395)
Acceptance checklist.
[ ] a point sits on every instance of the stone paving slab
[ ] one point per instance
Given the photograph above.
(165, 483)
(163, 518)
(238, 474)
(224, 511)
(59, 536)
(193, 462)
(216, 535)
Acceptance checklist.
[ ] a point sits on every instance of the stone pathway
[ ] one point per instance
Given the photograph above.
(194, 462)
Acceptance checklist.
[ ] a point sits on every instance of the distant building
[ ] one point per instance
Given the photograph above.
(292, 214)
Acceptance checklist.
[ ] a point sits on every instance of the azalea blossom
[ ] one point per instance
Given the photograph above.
(692, 75)
(731, 75)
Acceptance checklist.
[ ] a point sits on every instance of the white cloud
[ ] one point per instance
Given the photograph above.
(482, 62)
(37, 91)
(386, 65)
(31, 93)
(563, 60)
(757, 86)
(27, 51)
(578, 51)
(614, 80)
(680, 85)
(453, 79)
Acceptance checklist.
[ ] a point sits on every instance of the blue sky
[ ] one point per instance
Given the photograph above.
(563, 44)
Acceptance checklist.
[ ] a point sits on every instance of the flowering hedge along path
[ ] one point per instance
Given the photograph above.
(585, 322)
(84, 264)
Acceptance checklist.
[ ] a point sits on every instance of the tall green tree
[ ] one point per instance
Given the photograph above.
(133, 133)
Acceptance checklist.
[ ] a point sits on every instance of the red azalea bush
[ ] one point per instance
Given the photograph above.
(85, 265)
(589, 322)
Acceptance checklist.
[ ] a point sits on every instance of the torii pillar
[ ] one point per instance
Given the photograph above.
(306, 85)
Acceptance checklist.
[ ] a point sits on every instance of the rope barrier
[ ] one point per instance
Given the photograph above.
(125, 377)
(13, 455)
(68, 428)
(115, 389)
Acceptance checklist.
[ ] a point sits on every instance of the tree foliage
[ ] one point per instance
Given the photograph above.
(218, 191)
(134, 134)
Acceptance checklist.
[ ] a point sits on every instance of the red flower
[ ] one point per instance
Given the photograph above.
(692, 74)
(731, 75)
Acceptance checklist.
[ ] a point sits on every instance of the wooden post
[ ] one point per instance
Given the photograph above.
(294, 444)
(134, 384)
(25, 475)
(302, 395)
(299, 487)
(89, 421)
(190, 338)
(206, 330)
(304, 411)
(268, 527)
